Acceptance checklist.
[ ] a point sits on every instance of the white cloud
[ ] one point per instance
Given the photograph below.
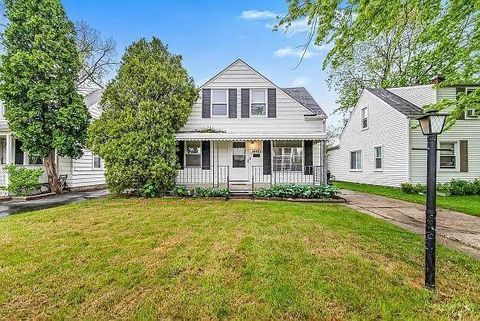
(312, 51)
(297, 26)
(300, 81)
(256, 14)
(294, 52)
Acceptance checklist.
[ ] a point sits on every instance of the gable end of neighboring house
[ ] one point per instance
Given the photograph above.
(86, 172)
(462, 139)
(373, 147)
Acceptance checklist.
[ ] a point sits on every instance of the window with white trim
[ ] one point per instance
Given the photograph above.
(219, 102)
(96, 162)
(448, 157)
(193, 154)
(471, 112)
(258, 102)
(356, 160)
(365, 118)
(378, 157)
(287, 155)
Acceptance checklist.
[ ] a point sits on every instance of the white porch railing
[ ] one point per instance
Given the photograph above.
(306, 175)
(214, 176)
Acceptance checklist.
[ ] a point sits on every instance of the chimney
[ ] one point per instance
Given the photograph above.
(437, 79)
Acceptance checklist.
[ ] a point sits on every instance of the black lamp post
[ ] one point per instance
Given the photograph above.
(432, 124)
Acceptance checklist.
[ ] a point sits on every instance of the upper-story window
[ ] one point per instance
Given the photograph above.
(219, 102)
(471, 112)
(96, 162)
(258, 102)
(364, 118)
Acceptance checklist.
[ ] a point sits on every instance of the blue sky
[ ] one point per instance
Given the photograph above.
(212, 34)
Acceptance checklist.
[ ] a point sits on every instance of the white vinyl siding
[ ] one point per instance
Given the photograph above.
(468, 130)
(290, 114)
(390, 130)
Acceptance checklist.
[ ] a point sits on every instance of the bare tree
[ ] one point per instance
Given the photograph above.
(97, 56)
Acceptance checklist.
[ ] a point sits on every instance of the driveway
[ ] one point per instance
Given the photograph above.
(454, 229)
(12, 207)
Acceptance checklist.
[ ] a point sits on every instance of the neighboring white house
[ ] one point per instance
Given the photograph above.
(83, 173)
(246, 130)
(376, 146)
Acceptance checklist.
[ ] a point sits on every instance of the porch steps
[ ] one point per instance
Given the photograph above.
(240, 190)
(240, 195)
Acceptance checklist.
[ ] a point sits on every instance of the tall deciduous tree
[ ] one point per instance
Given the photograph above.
(38, 75)
(97, 56)
(148, 101)
(394, 43)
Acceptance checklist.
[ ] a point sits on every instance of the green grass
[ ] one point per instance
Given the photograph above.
(200, 259)
(465, 204)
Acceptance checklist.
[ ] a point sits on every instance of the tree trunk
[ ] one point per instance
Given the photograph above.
(52, 172)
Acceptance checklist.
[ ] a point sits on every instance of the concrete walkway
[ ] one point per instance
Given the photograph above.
(12, 207)
(454, 229)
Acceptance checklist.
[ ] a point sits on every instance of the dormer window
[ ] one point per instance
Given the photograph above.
(258, 102)
(219, 102)
(365, 118)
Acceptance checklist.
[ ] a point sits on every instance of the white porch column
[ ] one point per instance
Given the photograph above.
(8, 155)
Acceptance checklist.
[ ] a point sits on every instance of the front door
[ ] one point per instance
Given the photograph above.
(239, 162)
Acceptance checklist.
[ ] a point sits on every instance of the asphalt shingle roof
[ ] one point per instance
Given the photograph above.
(397, 102)
(301, 95)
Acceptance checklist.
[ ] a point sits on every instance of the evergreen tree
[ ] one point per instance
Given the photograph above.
(148, 101)
(38, 74)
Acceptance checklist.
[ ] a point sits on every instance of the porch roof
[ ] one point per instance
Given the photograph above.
(249, 136)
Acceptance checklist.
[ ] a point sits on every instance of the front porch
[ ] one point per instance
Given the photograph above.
(246, 165)
(11, 153)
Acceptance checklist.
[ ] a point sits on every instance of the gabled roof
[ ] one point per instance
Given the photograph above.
(301, 95)
(403, 106)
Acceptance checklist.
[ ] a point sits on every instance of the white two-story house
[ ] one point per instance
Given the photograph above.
(244, 130)
(381, 141)
(84, 173)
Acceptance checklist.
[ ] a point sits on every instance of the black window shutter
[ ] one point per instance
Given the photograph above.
(232, 103)
(461, 90)
(308, 149)
(18, 152)
(245, 103)
(206, 98)
(464, 156)
(267, 157)
(180, 153)
(272, 103)
(205, 154)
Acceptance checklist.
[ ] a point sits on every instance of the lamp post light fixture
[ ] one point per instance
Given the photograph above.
(432, 124)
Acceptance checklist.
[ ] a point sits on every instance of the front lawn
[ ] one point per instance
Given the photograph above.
(465, 204)
(200, 259)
